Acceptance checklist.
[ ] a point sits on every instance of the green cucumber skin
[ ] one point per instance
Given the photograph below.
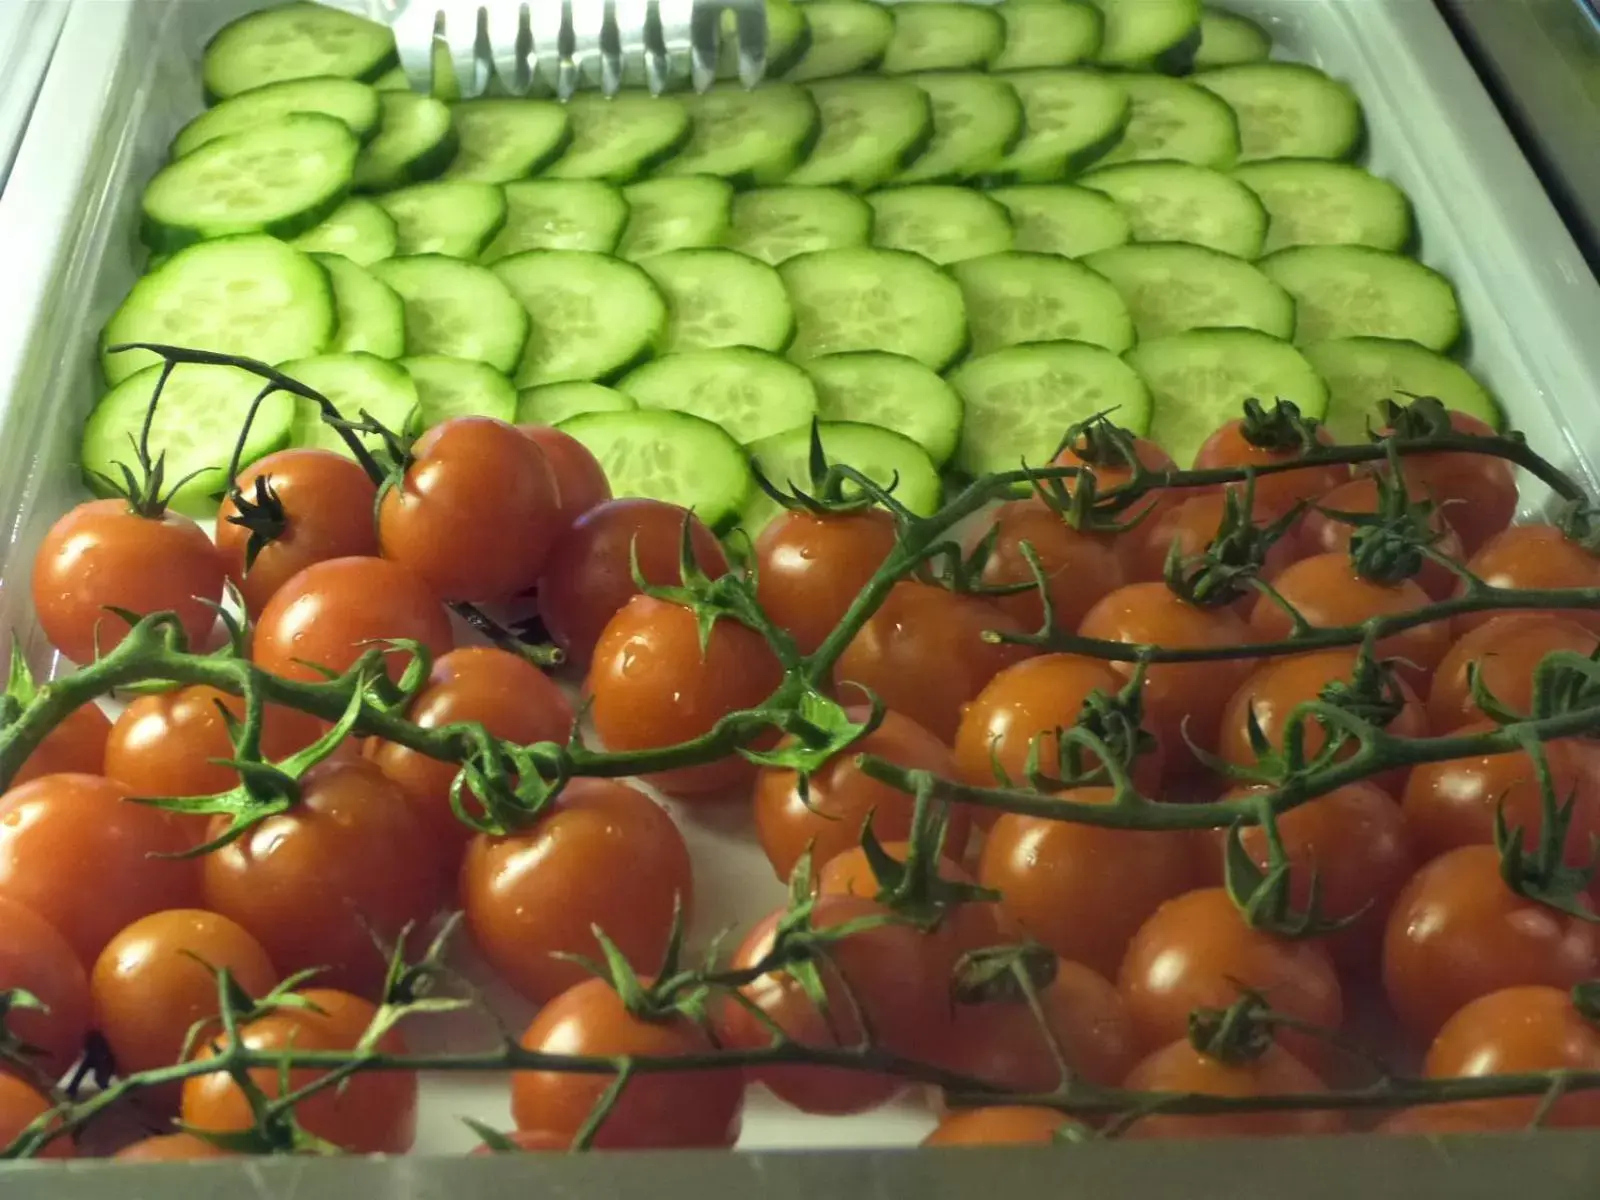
(423, 169)
(166, 239)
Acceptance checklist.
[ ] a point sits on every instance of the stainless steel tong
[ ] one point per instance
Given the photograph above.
(543, 47)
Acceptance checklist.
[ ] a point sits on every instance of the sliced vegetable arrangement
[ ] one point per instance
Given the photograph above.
(941, 181)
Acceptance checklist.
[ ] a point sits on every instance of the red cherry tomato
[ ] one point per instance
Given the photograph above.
(1506, 650)
(827, 819)
(332, 612)
(1231, 446)
(1458, 932)
(1477, 492)
(604, 855)
(323, 502)
(1193, 525)
(1113, 471)
(809, 567)
(588, 577)
(675, 1109)
(1003, 1125)
(527, 1141)
(1535, 557)
(37, 959)
(170, 1147)
(77, 746)
(1079, 568)
(1322, 534)
(1179, 1067)
(103, 555)
(56, 828)
(20, 1107)
(1437, 1119)
(581, 482)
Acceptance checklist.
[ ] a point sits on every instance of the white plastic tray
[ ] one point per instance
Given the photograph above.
(28, 33)
(125, 77)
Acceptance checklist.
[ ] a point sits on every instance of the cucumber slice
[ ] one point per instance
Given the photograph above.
(750, 138)
(1020, 401)
(976, 119)
(457, 310)
(358, 230)
(248, 295)
(750, 393)
(355, 383)
(502, 140)
(559, 215)
(875, 300)
(882, 455)
(943, 224)
(1288, 110)
(890, 391)
(1201, 379)
(1178, 202)
(1229, 40)
(1355, 291)
(1065, 220)
(1048, 35)
(1171, 287)
(775, 224)
(281, 177)
(196, 425)
(556, 402)
(847, 36)
(721, 298)
(416, 141)
(788, 37)
(1312, 202)
(1163, 34)
(1070, 119)
(371, 316)
(446, 217)
(871, 129)
(618, 139)
(393, 80)
(669, 456)
(1362, 371)
(593, 316)
(1016, 298)
(356, 104)
(295, 41)
(1173, 120)
(943, 37)
(675, 214)
(459, 387)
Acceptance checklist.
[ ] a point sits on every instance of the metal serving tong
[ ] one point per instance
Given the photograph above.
(542, 47)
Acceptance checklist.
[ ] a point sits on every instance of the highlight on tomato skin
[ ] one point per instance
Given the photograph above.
(1002, 1125)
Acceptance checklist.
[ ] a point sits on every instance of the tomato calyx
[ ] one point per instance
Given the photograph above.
(1579, 522)
(1084, 507)
(1372, 693)
(1238, 1034)
(819, 728)
(1098, 441)
(1098, 749)
(1003, 974)
(1264, 896)
(828, 495)
(1564, 682)
(1543, 874)
(1278, 429)
(914, 888)
(261, 515)
(1228, 569)
(1392, 543)
(672, 992)
(1423, 417)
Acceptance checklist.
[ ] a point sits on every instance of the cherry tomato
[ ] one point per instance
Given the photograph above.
(103, 555)
(527, 1141)
(1196, 951)
(1002, 1125)
(1511, 1032)
(581, 482)
(675, 1109)
(1453, 803)
(1078, 568)
(88, 862)
(20, 1107)
(149, 987)
(1113, 471)
(809, 567)
(1029, 701)
(320, 507)
(604, 856)
(347, 864)
(507, 694)
(170, 1147)
(332, 612)
(875, 969)
(1535, 557)
(37, 959)
(1179, 1067)
(1280, 685)
(1328, 592)
(77, 746)
(1436, 1119)
(1458, 932)
(1506, 650)
(1322, 534)
(827, 818)
(924, 655)
(1000, 1041)
(1049, 873)
(588, 577)
(1477, 492)
(652, 685)
(1180, 699)
(1193, 524)
(374, 1112)
(1353, 842)
(1231, 446)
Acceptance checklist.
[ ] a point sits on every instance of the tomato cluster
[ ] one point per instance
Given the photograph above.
(1393, 895)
